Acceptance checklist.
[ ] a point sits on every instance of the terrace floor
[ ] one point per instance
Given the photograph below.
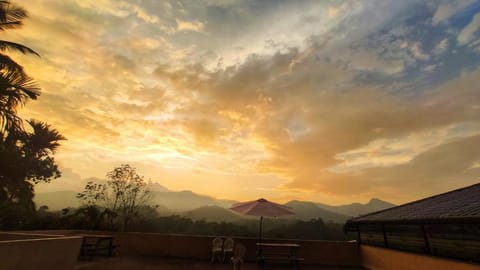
(155, 263)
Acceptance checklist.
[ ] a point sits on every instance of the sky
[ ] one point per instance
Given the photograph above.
(327, 101)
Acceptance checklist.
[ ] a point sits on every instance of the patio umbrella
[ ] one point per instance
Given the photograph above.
(262, 208)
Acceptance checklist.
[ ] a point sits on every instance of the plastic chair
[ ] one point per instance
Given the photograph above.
(238, 256)
(228, 248)
(217, 244)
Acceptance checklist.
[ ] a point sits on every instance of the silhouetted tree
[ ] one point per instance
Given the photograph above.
(312, 229)
(25, 159)
(16, 87)
(122, 197)
(94, 194)
(26, 153)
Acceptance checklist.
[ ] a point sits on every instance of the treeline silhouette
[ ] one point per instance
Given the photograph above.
(92, 218)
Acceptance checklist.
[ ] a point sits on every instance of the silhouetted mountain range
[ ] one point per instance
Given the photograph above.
(309, 210)
(358, 209)
(187, 200)
(214, 214)
(57, 200)
(197, 207)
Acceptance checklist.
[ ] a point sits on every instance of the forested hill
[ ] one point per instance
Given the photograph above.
(198, 207)
(357, 209)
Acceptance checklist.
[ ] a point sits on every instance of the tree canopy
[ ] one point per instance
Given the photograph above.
(122, 197)
(26, 147)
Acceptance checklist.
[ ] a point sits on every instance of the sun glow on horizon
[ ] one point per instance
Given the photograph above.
(331, 101)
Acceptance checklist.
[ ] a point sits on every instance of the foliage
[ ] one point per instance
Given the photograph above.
(25, 160)
(122, 197)
(151, 221)
(313, 229)
(93, 194)
(16, 87)
(26, 153)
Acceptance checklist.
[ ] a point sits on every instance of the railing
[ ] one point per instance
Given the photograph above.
(456, 241)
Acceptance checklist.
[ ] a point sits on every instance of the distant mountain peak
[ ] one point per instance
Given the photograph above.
(306, 210)
(297, 201)
(158, 187)
(357, 209)
(377, 201)
(215, 209)
(213, 213)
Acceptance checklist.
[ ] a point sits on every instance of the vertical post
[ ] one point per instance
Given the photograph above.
(260, 238)
(260, 232)
(359, 239)
(110, 246)
(384, 235)
(425, 239)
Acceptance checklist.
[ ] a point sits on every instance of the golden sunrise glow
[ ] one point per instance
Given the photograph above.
(287, 102)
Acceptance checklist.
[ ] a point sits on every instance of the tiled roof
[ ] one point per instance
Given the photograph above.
(460, 204)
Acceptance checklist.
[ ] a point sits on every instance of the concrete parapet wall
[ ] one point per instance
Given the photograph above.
(27, 252)
(339, 253)
(376, 258)
(6, 236)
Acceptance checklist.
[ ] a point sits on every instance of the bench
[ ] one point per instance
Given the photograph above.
(96, 245)
(278, 253)
(280, 259)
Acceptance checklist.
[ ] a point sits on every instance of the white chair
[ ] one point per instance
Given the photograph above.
(238, 255)
(217, 244)
(228, 248)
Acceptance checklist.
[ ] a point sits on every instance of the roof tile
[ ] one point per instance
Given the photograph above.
(460, 203)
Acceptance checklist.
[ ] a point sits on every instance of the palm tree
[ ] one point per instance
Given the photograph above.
(25, 160)
(11, 17)
(16, 87)
(15, 90)
(26, 156)
(43, 141)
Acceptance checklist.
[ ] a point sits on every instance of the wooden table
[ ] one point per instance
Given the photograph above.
(278, 252)
(92, 243)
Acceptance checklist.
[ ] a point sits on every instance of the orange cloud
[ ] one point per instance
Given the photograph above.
(288, 119)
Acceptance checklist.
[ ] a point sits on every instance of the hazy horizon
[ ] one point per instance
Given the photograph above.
(50, 190)
(328, 101)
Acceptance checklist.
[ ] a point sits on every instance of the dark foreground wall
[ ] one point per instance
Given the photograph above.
(199, 247)
(341, 253)
(27, 252)
(54, 250)
(376, 258)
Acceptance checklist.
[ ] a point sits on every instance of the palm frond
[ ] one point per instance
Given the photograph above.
(10, 25)
(16, 87)
(7, 45)
(10, 123)
(13, 83)
(11, 16)
(8, 65)
(43, 137)
(15, 90)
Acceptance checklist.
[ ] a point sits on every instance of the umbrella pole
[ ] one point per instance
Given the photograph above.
(260, 232)
(260, 237)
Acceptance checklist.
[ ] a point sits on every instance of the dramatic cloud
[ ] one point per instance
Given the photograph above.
(332, 101)
(449, 9)
(190, 26)
(468, 33)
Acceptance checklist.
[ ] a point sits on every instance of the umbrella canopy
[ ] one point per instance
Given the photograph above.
(262, 208)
